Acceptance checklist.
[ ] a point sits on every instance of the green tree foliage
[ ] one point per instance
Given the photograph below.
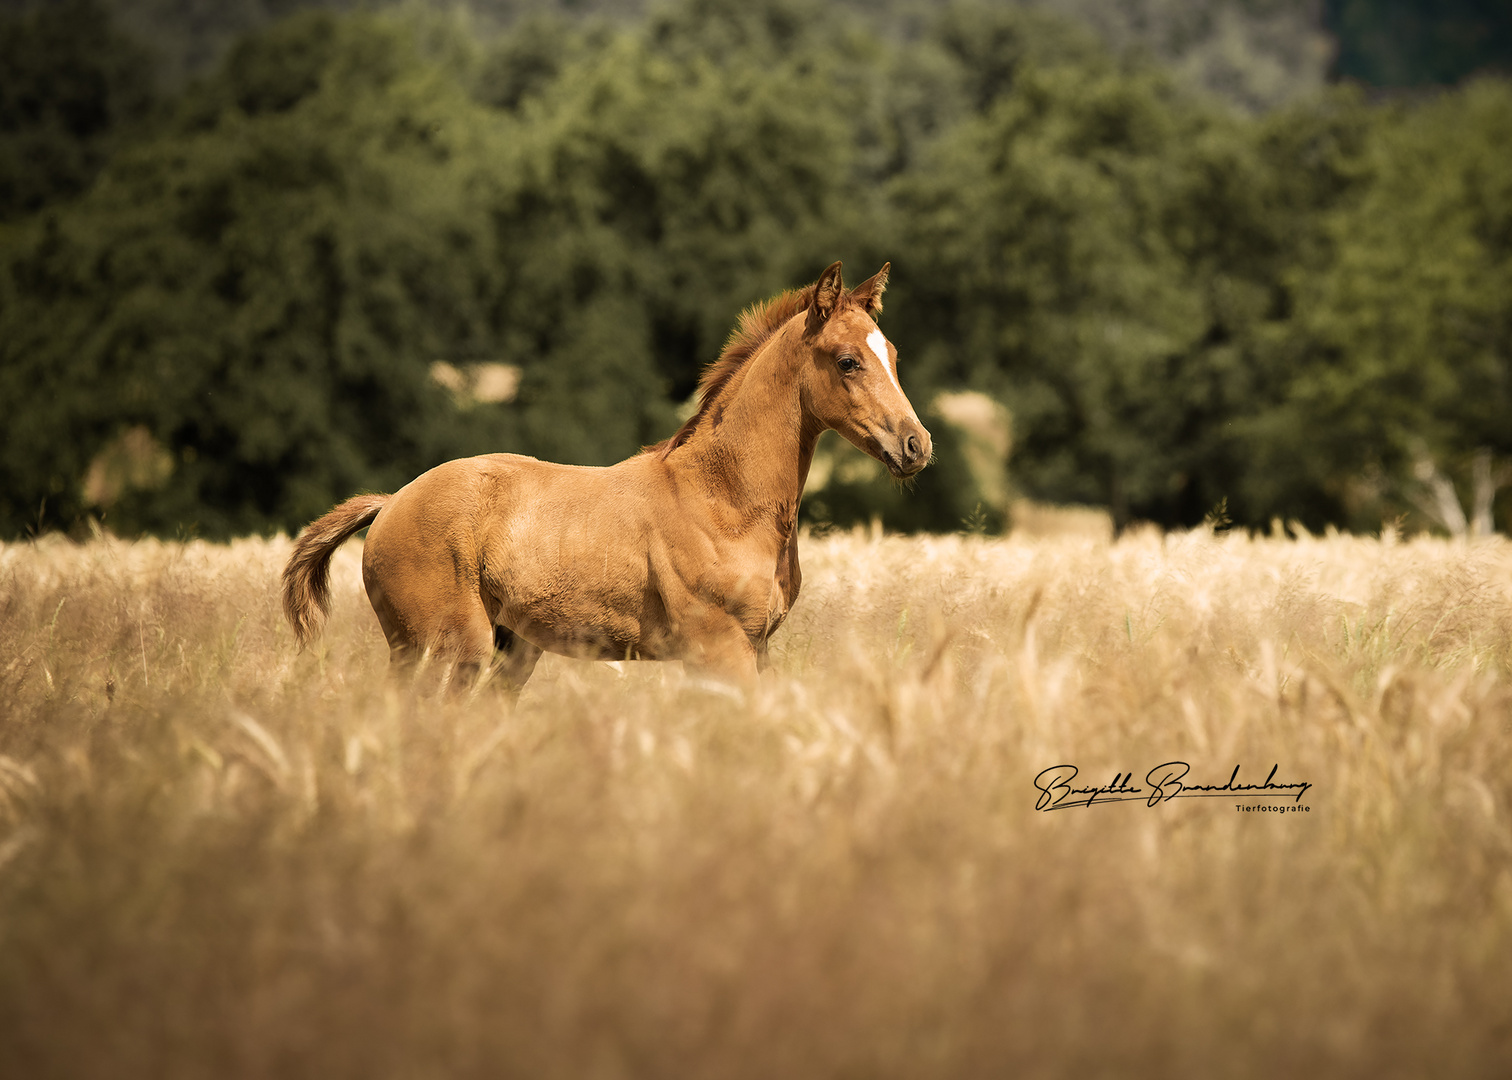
(1095, 249)
(265, 289)
(1257, 54)
(366, 243)
(1409, 325)
(262, 290)
(670, 178)
(71, 87)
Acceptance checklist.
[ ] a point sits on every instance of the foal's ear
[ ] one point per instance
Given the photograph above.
(827, 292)
(869, 292)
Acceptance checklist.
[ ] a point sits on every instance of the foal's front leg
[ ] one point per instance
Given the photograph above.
(727, 655)
(514, 660)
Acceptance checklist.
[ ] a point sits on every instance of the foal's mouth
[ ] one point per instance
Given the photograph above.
(899, 470)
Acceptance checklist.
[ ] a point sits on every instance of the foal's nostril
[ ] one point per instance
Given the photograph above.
(911, 448)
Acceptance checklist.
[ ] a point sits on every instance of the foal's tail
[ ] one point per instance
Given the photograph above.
(306, 580)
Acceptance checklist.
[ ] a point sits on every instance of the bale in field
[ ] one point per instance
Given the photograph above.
(685, 551)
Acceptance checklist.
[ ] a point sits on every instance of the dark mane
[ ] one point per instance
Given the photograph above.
(757, 324)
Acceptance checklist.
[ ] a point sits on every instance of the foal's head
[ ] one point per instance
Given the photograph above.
(851, 374)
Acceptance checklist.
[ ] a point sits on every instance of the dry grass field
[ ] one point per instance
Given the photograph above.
(222, 859)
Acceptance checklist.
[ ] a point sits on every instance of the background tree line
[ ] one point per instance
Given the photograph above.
(351, 244)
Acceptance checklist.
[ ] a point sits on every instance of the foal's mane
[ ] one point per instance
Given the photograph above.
(757, 325)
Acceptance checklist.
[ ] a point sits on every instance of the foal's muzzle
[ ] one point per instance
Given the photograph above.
(908, 451)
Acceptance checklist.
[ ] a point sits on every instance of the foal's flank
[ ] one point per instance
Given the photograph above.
(686, 551)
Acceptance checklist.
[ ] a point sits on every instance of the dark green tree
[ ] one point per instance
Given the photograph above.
(667, 184)
(1406, 43)
(1407, 328)
(72, 88)
(364, 244)
(1076, 247)
(261, 292)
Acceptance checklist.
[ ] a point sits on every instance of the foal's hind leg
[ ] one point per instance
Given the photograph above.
(467, 642)
(452, 650)
(514, 660)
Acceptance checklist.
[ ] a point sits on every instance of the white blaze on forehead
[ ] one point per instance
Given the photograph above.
(878, 345)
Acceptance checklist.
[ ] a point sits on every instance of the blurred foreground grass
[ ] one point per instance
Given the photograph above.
(218, 858)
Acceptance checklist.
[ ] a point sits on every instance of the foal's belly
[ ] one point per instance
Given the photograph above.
(588, 601)
(586, 636)
(576, 608)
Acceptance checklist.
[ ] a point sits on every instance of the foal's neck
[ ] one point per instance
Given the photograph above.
(754, 449)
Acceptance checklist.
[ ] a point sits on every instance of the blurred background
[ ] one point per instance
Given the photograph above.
(1181, 260)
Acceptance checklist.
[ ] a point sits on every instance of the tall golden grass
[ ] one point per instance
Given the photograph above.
(221, 859)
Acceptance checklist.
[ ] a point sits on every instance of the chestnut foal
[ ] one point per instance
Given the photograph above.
(686, 551)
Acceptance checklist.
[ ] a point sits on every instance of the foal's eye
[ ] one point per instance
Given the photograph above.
(848, 364)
